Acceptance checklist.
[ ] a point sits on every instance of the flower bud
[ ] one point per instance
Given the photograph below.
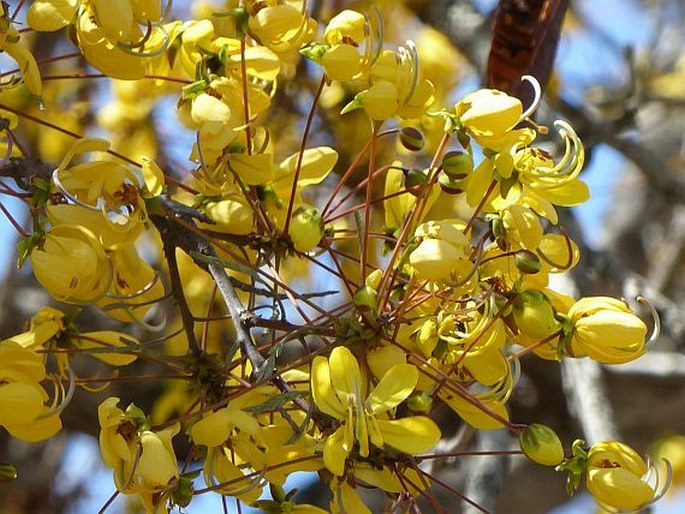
(412, 139)
(534, 314)
(365, 298)
(488, 112)
(413, 179)
(7, 473)
(541, 444)
(606, 330)
(527, 262)
(373, 279)
(306, 229)
(457, 164)
(451, 186)
(422, 402)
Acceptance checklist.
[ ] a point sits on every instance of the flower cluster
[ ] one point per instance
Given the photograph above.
(419, 279)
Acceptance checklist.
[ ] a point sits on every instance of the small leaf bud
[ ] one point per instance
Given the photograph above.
(541, 444)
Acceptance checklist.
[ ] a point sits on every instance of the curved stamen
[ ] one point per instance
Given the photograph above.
(656, 330)
(137, 293)
(69, 196)
(130, 48)
(57, 409)
(536, 99)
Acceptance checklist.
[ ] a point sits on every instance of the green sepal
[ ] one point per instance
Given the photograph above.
(26, 246)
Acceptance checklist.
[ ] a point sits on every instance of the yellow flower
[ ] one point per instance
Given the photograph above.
(22, 399)
(44, 325)
(222, 463)
(280, 27)
(338, 390)
(346, 27)
(396, 87)
(345, 32)
(105, 194)
(10, 42)
(118, 442)
(552, 184)
(615, 476)
(157, 466)
(441, 252)
(488, 115)
(134, 288)
(103, 53)
(71, 264)
(606, 330)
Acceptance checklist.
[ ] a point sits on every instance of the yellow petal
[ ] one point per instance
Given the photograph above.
(36, 430)
(335, 452)
(618, 488)
(50, 15)
(253, 170)
(116, 18)
(317, 163)
(475, 416)
(322, 389)
(20, 403)
(345, 373)
(107, 341)
(380, 100)
(153, 177)
(412, 435)
(395, 386)
(341, 62)
(157, 465)
(212, 430)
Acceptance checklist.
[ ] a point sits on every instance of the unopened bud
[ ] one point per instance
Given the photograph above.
(412, 139)
(183, 492)
(373, 279)
(457, 164)
(451, 186)
(7, 473)
(527, 262)
(541, 444)
(414, 178)
(420, 402)
(306, 229)
(534, 314)
(365, 298)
